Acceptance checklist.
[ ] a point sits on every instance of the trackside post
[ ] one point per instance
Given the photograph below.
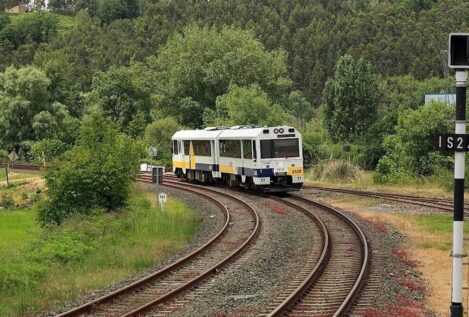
(458, 58)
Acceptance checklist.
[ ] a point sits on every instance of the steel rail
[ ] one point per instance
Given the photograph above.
(317, 269)
(365, 248)
(414, 200)
(90, 305)
(149, 305)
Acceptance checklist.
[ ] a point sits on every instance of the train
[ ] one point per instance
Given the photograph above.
(267, 159)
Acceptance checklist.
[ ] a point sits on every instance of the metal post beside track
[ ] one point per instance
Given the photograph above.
(458, 220)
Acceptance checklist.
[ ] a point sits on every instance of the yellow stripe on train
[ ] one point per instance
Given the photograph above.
(180, 164)
(229, 169)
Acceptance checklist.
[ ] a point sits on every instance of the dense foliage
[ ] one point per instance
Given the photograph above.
(351, 99)
(340, 71)
(95, 173)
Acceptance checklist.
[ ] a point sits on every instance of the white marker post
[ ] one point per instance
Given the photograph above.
(458, 220)
(458, 58)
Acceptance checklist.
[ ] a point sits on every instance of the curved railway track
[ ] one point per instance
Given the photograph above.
(241, 226)
(330, 281)
(342, 272)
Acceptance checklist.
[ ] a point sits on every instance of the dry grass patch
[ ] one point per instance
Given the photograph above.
(418, 187)
(428, 249)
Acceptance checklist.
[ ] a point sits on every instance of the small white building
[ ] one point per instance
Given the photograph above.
(449, 99)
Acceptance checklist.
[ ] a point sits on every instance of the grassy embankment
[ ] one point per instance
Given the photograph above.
(17, 176)
(40, 267)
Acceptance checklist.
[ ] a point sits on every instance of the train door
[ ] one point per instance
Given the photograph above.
(191, 157)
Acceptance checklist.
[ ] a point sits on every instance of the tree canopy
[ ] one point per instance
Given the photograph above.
(350, 99)
(196, 67)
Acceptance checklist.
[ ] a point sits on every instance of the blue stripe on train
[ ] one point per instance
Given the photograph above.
(261, 172)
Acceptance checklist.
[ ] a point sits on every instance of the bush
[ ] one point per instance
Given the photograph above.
(96, 173)
(387, 172)
(48, 150)
(335, 170)
(411, 148)
(159, 134)
(6, 200)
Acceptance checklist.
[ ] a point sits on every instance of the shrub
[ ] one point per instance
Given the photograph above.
(6, 200)
(411, 148)
(47, 149)
(335, 170)
(96, 173)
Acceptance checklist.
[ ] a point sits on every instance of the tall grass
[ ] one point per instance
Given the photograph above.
(335, 170)
(88, 252)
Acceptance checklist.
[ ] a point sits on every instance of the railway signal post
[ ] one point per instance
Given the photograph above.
(458, 58)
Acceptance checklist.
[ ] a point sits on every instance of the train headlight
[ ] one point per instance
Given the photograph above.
(281, 130)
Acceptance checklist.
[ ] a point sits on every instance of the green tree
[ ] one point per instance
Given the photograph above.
(244, 106)
(200, 65)
(159, 133)
(120, 99)
(63, 87)
(300, 108)
(23, 94)
(96, 173)
(350, 99)
(411, 150)
(110, 10)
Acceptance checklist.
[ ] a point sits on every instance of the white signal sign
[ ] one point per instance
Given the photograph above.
(162, 198)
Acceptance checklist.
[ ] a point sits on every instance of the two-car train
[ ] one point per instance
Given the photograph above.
(260, 158)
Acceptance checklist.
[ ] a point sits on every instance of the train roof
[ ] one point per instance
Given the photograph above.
(196, 134)
(224, 132)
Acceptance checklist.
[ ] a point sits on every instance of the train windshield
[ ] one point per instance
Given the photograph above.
(280, 148)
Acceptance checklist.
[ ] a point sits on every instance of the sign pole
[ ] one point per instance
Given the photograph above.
(458, 220)
(6, 172)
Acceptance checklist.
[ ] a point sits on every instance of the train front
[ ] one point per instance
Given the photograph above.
(281, 159)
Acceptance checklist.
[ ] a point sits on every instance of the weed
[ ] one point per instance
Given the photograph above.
(380, 226)
(335, 170)
(87, 252)
(412, 286)
(6, 200)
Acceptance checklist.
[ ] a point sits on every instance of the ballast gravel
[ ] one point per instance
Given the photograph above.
(247, 286)
(212, 221)
(392, 283)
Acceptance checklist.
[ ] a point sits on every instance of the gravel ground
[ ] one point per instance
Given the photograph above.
(212, 221)
(250, 284)
(393, 288)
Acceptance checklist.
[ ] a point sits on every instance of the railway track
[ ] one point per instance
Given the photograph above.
(329, 281)
(25, 167)
(154, 291)
(438, 203)
(331, 286)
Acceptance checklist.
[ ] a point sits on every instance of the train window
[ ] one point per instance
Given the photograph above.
(254, 149)
(247, 149)
(187, 145)
(175, 147)
(286, 148)
(266, 149)
(230, 148)
(202, 148)
(179, 147)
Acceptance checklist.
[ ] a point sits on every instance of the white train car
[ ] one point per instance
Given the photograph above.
(264, 158)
